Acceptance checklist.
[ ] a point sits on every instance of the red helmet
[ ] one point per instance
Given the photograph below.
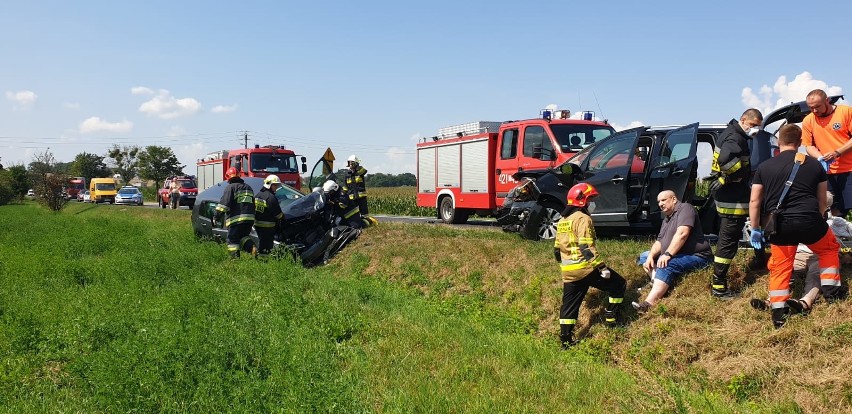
(579, 194)
(231, 173)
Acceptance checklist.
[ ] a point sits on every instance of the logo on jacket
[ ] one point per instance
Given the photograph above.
(836, 126)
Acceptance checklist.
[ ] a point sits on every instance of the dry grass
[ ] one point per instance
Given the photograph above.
(724, 348)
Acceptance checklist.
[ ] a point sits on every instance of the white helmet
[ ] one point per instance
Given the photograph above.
(353, 158)
(330, 186)
(271, 179)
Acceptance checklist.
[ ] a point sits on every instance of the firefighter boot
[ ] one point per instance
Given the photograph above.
(566, 336)
(235, 254)
(611, 315)
(720, 288)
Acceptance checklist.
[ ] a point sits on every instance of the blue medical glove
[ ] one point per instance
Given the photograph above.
(757, 238)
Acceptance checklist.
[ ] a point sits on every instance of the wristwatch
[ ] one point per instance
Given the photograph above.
(667, 254)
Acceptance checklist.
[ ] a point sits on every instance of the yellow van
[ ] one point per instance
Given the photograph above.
(102, 189)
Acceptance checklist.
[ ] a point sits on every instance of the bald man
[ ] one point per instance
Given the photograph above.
(680, 248)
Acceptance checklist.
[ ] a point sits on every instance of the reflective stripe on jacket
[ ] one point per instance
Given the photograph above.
(267, 210)
(574, 235)
(355, 184)
(237, 202)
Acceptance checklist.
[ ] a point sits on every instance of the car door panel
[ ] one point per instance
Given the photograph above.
(675, 166)
(607, 168)
(506, 164)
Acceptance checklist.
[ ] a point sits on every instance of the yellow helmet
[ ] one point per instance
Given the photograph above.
(271, 179)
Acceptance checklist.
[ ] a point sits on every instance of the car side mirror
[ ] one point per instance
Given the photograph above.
(536, 152)
(570, 169)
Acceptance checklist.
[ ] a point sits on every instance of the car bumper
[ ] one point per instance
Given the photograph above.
(127, 201)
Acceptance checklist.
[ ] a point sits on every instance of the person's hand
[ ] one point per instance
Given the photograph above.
(757, 238)
(830, 156)
(649, 264)
(663, 261)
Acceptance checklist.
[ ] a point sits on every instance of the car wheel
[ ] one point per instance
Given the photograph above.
(162, 202)
(191, 205)
(451, 215)
(541, 224)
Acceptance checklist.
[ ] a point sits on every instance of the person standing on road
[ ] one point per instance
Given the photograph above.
(799, 220)
(731, 165)
(826, 133)
(680, 248)
(581, 266)
(237, 203)
(355, 184)
(174, 194)
(267, 215)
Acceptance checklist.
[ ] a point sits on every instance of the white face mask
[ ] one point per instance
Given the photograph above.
(752, 131)
(591, 207)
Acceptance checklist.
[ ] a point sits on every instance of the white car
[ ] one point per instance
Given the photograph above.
(86, 197)
(31, 193)
(129, 195)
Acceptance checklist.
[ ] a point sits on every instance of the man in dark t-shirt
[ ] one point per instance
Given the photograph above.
(798, 220)
(680, 248)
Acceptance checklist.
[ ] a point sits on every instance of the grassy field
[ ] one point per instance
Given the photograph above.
(113, 309)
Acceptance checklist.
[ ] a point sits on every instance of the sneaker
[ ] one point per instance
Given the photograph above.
(759, 304)
(726, 294)
(641, 307)
(798, 307)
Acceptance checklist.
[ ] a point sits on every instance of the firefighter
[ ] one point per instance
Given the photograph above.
(581, 266)
(355, 185)
(267, 214)
(237, 204)
(732, 170)
(345, 207)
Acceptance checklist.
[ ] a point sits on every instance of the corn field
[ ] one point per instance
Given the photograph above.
(399, 201)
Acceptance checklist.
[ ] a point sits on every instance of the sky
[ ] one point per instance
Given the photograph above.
(372, 78)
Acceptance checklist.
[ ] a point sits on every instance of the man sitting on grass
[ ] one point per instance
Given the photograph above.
(680, 248)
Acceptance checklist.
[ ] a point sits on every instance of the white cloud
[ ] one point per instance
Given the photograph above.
(221, 109)
(769, 98)
(96, 124)
(395, 160)
(166, 106)
(71, 105)
(141, 90)
(632, 124)
(22, 99)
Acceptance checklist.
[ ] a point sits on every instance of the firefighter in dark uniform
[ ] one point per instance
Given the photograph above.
(267, 213)
(355, 185)
(237, 204)
(580, 265)
(345, 208)
(731, 192)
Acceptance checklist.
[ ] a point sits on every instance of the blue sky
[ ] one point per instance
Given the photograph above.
(370, 78)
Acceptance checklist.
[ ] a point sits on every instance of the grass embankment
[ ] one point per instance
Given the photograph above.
(112, 309)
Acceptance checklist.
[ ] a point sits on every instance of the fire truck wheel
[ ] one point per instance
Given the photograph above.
(451, 215)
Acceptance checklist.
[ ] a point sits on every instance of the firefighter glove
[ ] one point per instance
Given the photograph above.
(557, 255)
(757, 238)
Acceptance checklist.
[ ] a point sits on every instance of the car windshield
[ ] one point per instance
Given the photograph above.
(574, 137)
(187, 184)
(105, 186)
(274, 163)
(287, 195)
(128, 191)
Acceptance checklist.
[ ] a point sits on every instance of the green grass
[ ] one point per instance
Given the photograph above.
(110, 309)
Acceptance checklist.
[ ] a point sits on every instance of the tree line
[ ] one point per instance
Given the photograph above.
(48, 178)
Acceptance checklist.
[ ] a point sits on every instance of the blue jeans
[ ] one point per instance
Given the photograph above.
(678, 265)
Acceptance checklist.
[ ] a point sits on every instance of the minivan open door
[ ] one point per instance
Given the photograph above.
(676, 166)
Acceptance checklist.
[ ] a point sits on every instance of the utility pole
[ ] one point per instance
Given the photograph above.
(245, 138)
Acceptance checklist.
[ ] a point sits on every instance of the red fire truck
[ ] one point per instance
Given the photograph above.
(251, 162)
(74, 186)
(468, 168)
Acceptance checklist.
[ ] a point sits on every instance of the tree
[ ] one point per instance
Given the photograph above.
(47, 182)
(158, 163)
(89, 166)
(125, 160)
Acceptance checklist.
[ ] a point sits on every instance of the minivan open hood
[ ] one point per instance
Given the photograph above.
(793, 113)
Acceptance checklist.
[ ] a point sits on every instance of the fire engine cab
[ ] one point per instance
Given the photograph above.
(468, 168)
(251, 162)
